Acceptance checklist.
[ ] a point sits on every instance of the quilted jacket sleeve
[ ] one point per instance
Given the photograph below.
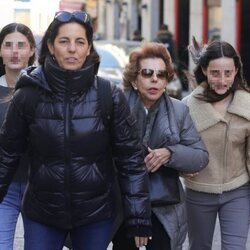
(13, 141)
(131, 169)
(189, 154)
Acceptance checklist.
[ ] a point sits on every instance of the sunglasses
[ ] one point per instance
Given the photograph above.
(148, 73)
(65, 16)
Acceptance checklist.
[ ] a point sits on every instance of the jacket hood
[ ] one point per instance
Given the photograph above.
(32, 76)
(53, 78)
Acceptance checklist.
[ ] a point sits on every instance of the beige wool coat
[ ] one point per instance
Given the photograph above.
(227, 138)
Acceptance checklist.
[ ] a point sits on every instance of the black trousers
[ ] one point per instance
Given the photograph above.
(160, 239)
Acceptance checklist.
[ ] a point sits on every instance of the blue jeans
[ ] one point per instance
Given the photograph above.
(10, 209)
(94, 236)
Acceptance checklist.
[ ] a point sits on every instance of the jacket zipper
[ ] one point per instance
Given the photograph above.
(67, 155)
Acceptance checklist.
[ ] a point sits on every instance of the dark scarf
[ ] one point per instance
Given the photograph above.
(209, 95)
(145, 121)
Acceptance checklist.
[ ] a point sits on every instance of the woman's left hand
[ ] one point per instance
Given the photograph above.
(156, 158)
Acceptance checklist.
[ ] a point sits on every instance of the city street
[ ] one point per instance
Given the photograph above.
(18, 245)
(67, 128)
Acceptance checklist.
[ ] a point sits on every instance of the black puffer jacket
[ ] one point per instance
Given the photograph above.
(71, 171)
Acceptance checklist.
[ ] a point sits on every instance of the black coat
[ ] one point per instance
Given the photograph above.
(71, 175)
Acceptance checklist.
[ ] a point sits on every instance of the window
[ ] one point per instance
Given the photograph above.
(214, 19)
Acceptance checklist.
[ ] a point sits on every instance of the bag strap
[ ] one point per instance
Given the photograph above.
(33, 96)
(105, 100)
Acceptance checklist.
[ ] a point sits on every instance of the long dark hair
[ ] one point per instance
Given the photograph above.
(52, 32)
(23, 29)
(202, 55)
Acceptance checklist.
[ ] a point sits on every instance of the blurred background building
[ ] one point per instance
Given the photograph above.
(118, 19)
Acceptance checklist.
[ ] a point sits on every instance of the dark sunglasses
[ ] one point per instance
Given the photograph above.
(65, 16)
(148, 73)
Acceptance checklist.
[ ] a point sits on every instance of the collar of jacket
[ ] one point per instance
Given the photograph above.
(72, 81)
(205, 116)
(166, 113)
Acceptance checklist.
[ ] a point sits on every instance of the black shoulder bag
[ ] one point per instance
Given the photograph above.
(164, 183)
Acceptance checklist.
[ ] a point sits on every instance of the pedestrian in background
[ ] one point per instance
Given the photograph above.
(179, 85)
(17, 51)
(219, 106)
(56, 112)
(137, 36)
(171, 144)
(166, 37)
(96, 34)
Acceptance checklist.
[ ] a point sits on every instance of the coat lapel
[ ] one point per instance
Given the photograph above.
(202, 113)
(241, 104)
(165, 129)
(205, 116)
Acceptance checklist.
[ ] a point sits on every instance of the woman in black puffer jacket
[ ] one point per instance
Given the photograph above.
(55, 112)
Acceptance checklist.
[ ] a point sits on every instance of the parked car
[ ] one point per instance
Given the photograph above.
(114, 56)
(113, 61)
(126, 45)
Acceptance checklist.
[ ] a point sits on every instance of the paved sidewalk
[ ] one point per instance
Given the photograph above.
(18, 244)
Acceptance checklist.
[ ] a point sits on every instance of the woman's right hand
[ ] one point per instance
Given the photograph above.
(156, 158)
(141, 241)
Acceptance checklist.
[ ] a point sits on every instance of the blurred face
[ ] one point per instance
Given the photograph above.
(71, 46)
(16, 51)
(151, 80)
(220, 74)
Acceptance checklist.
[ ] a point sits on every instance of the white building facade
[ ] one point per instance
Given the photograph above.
(118, 19)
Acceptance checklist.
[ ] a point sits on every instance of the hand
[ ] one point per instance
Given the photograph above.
(156, 158)
(141, 241)
(189, 175)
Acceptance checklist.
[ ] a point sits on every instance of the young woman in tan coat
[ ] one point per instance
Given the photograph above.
(219, 107)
